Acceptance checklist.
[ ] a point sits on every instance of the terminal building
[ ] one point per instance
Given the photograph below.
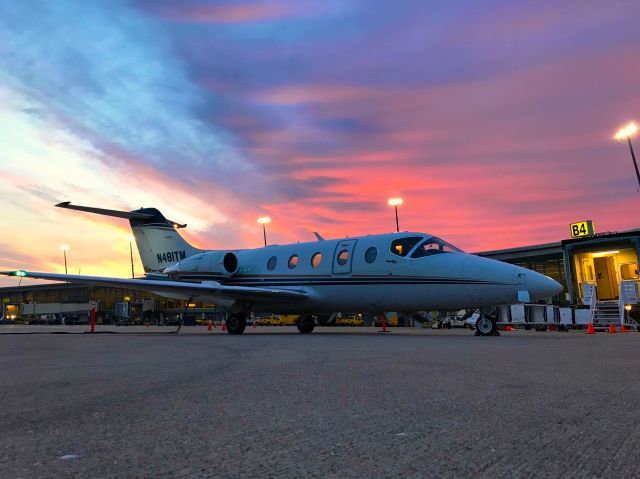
(603, 260)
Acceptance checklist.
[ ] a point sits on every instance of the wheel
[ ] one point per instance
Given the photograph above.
(447, 325)
(306, 324)
(236, 323)
(485, 326)
(281, 323)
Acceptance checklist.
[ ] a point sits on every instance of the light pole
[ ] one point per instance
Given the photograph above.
(263, 220)
(395, 202)
(131, 254)
(65, 248)
(627, 132)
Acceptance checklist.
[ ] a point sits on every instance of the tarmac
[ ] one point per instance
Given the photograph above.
(340, 402)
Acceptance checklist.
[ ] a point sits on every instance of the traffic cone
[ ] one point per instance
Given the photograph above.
(622, 328)
(224, 326)
(590, 329)
(508, 327)
(209, 326)
(612, 329)
(254, 324)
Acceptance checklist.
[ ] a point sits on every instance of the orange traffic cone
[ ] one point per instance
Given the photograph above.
(209, 326)
(224, 326)
(590, 329)
(612, 329)
(622, 328)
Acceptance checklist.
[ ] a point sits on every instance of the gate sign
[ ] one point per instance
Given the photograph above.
(584, 228)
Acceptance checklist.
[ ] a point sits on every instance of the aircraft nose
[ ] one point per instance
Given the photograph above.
(541, 286)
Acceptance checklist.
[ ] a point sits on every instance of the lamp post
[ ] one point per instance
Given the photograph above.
(65, 248)
(131, 254)
(395, 202)
(263, 220)
(627, 132)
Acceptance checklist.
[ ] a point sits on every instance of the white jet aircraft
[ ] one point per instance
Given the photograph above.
(376, 273)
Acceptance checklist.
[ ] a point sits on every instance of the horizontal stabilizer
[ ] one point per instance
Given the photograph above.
(130, 215)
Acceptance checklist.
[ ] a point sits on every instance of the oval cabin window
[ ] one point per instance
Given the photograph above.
(371, 254)
(343, 257)
(293, 261)
(316, 259)
(271, 264)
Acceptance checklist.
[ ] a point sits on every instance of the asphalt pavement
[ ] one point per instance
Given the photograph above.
(341, 402)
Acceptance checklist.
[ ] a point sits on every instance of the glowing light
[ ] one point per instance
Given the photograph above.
(264, 220)
(627, 307)
(600, 254)
(626, 131)
(395, 201)
(64, 247)
(20, 273)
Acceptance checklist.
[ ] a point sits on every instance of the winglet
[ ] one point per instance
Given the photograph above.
(318, 236)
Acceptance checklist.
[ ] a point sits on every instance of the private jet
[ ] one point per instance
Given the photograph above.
(383, 272)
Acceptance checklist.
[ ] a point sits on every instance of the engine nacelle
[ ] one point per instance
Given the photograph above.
(220, 262)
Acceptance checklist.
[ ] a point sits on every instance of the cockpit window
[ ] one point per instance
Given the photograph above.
(433, 246)
(402, 246)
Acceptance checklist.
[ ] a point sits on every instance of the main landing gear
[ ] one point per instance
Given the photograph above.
(236, 323)
(306, 324)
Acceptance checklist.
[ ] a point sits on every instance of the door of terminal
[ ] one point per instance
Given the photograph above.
(606, 278)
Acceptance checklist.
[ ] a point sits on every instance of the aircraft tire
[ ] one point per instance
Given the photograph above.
(236, 323)
(306, 324)
(485, 326)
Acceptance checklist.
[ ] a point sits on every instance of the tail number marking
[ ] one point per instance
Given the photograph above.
(171, 256)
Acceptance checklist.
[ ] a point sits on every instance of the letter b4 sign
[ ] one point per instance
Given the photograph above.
(584, 228)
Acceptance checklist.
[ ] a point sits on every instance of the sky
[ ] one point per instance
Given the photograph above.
(492, 119)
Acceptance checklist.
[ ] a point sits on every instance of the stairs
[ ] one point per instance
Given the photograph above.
(606, 313)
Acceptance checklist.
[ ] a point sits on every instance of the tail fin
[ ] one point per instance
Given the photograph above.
(157, 238)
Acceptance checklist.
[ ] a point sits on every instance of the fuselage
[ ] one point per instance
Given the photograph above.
(388, 272)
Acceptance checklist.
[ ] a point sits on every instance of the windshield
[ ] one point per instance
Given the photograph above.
(433, 246)
(402, 246)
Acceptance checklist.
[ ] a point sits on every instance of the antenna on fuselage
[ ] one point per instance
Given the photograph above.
(318, 236)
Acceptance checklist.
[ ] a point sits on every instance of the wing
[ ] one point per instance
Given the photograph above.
(209, 288)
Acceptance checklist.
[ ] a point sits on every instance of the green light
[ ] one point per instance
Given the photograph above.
(20, 273)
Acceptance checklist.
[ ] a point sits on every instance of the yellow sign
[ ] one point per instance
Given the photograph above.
(584, 228)
(127, 298)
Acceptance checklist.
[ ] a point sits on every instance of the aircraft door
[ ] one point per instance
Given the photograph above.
(343, 256)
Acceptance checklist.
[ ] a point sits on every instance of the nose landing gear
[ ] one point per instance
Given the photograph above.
(485, 326)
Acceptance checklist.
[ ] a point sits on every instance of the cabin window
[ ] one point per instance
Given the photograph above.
(316, 259)
(433, 246)
(343, 257)
(371, 254)
(402, 246)
(271, 264)
(293, 261)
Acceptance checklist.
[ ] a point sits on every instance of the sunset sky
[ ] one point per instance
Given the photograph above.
(492, 119)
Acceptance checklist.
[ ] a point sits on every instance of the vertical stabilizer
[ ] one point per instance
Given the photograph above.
(157, 238)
